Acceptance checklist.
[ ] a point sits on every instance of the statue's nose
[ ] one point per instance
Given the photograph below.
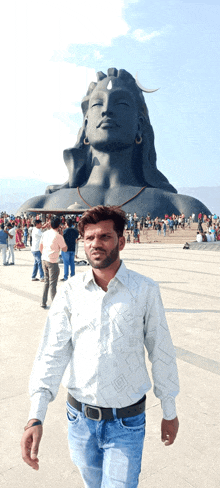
(107, 111)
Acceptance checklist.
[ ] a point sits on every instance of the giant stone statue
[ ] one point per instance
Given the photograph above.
(114, 159)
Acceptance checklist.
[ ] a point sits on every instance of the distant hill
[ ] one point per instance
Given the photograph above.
(209, 195)
(14, 192)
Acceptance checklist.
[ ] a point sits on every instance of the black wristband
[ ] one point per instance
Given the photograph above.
(38, 422)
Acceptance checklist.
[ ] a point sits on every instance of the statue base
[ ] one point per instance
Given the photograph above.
(151, 200)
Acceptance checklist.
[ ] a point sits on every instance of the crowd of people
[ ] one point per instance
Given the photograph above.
(208, 229)
(21, 229)
(48, 241)
(169, 224)
(17, 232)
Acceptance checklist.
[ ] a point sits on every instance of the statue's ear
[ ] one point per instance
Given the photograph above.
(140, 125)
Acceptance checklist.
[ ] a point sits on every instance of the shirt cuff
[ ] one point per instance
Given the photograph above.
(39, 405)
(168, 405)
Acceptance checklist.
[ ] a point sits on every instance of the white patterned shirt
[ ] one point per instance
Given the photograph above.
(97, 338)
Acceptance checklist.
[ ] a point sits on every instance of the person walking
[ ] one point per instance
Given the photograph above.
(158, 228)
(70, 234)
(98, 325)
(135, 220)
(50, 245)
(35, 249)
(164, 228)
(25, 235)
(3, 243)
(171, 225)
(11, 243)
(30, 230)
(18, 238)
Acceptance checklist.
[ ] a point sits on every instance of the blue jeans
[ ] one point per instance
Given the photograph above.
(37, 265)
(135, 233)
(68, 260)
(108, 453)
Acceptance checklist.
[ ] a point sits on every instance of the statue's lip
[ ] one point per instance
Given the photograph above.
(107, 123)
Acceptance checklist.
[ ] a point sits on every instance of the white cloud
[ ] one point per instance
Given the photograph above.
(98, 55)
(35, 87)
(57, 24)
(141, 36)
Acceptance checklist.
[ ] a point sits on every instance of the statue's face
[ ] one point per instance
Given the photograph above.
(112, 117)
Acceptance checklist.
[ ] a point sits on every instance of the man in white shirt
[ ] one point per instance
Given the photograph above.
(208, 236)
(36, 237)
(11, 243)
(199, 237)
(95, 332)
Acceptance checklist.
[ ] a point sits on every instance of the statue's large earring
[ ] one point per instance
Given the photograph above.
(138, 141)
(86, 141)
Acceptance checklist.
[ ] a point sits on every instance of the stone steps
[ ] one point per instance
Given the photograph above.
(180, 236)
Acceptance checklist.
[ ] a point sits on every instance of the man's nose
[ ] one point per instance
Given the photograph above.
(96, 242)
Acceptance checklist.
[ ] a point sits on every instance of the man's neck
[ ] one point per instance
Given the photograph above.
(105, 275)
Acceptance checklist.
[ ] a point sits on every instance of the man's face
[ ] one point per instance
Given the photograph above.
(102, 244)
(112, 116)
(39, 225)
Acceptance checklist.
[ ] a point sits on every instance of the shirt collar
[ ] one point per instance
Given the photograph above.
(121, 275)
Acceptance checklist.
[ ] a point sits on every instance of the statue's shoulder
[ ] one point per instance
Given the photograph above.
(158, 202)
(34, 202)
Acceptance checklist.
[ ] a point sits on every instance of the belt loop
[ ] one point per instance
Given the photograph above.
(83, 408)
(114, 411)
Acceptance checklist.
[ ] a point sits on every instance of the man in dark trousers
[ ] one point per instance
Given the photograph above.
(70, 235)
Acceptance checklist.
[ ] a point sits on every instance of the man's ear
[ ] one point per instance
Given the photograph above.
(121, 240)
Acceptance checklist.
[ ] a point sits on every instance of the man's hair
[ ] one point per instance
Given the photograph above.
(55, 222)
(69, 222)
(100, 213)
(37, 221)
(2, 226)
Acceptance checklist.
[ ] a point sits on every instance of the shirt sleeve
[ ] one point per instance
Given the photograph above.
(61, 241)
(53, 355)
(161, 353)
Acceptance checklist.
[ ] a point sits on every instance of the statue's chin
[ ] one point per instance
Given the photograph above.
(110, 146)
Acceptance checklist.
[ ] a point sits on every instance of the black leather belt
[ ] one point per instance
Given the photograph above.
(100, 413)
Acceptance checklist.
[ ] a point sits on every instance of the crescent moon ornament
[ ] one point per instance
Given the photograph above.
(142, 87)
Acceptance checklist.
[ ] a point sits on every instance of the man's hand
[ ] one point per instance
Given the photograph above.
(169, 429)
(30, 444)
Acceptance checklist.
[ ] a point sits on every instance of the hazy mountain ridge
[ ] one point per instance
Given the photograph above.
(14, 192)
(209, 195)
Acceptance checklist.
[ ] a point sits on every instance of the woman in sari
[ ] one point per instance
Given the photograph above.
(18, 238)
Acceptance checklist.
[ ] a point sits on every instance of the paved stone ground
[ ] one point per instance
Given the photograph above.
(189, 283)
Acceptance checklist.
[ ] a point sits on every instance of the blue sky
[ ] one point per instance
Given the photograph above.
(52, 51)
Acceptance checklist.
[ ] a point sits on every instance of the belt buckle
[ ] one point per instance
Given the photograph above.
(94, 408)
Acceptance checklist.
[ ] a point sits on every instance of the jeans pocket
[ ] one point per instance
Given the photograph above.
(72, 413)
(134, 423)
